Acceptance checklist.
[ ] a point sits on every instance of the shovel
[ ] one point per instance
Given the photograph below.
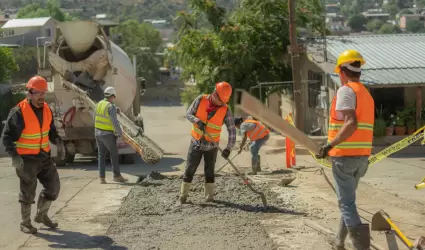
(245, 180)
(225, 164)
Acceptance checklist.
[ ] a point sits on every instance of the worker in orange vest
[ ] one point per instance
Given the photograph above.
(207, 114)
(349, 145)
(29, 128)
(258, 133)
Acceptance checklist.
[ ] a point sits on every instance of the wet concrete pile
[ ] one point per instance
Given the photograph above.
(151, 218)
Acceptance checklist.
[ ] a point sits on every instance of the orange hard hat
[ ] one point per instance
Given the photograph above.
(224, 91)
(38, 83)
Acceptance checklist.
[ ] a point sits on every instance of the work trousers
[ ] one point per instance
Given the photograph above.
(45, 171)
(194, 157)
(347, 172)
(255, 147)
(108, 143)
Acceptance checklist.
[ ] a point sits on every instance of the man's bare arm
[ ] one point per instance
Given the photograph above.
(348, 128)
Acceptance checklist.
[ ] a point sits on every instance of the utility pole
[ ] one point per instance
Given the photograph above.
(295, 60)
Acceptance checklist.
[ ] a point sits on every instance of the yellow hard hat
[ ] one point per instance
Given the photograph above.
(348, 56)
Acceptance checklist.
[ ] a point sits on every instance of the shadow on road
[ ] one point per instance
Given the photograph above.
(75, 240)
(167, 164)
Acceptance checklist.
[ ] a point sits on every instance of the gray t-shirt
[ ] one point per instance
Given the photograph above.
(345, 100)
(247, 126)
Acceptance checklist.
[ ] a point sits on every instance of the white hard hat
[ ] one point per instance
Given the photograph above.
(109, 91)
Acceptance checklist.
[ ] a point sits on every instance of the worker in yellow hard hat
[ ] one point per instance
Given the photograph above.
(349, 145)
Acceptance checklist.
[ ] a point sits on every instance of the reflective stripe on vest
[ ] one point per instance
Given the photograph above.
(34, 136)
(213, 125)
(102, 119)
(360, 143)
(259, 132)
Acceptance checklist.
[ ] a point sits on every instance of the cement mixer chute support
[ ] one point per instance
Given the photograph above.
(83, 63)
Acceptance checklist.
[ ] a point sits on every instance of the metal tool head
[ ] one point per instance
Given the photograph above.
(379, 222)
(286, 181)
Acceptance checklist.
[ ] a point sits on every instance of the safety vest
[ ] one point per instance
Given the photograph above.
(213, 125)
(360, 143)
(259, 132)
(102, 119)
(34, 136)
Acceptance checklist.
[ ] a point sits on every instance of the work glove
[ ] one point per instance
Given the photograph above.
(324, 150)
(201, 125)
(58, 140)
(226, 153)
(118, 110)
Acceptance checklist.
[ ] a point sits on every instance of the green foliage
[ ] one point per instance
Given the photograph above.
(189, 94)
(8, 65)
(26, 59)
(244, 46)
(415, 26)
(143, 41)
(388, 28)
(380, 124)
(357, 23)
(51, 9)
(374, 25)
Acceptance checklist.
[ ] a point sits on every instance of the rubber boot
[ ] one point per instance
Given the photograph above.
(209, 192)
(253, 167)
(102, 180)
(120, 179)
(341, 236)
(26, 226)
(360, 236)
(258, 166)
(43, 207)
(184, 192)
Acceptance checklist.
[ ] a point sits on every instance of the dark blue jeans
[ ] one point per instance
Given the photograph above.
(107, 143)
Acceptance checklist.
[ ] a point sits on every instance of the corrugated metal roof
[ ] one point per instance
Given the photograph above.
(26, 22)
(390, 59)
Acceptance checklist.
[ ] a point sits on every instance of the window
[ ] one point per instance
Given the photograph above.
(48, 32)
(315, 80)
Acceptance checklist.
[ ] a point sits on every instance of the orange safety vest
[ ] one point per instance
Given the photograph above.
(259, 132)
(359, 143)
(213, 125)
(34, 136)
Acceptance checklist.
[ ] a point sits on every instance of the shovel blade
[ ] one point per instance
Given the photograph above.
(420, 243)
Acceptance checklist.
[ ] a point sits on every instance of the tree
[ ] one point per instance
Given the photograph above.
(142, 40)
(357, 23)
(392, 7)
(52, 9)
(374, 25)
(415, 26)
(244, 46)
(389, 28)
(8, 65)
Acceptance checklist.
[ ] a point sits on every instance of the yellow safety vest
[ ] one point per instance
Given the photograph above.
(102, 119)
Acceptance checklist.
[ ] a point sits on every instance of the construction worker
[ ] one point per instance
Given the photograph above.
(258, 133)
(349, 145)
(28, 130)
(107, 130)
(207, 114)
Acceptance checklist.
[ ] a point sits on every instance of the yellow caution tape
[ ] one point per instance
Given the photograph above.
(386, 152)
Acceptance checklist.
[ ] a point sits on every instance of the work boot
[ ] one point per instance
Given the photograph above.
(338, 244)
(360, 236)
(184, 192)
(26, 226)
(120, 179)
(253, 167)
(209, 192)
(258, 165)
(102, 180)
(43, 206)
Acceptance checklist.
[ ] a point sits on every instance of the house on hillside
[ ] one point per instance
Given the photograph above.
(404, 19)
(26, 30)
(394, 73)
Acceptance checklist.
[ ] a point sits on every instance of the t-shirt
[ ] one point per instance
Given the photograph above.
(345, 100)
(247, 126)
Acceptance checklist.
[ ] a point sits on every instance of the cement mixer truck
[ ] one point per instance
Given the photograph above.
(82, 62)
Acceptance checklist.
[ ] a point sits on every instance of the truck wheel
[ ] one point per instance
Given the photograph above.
(69, 158)
(58, 162)
(126, 159)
